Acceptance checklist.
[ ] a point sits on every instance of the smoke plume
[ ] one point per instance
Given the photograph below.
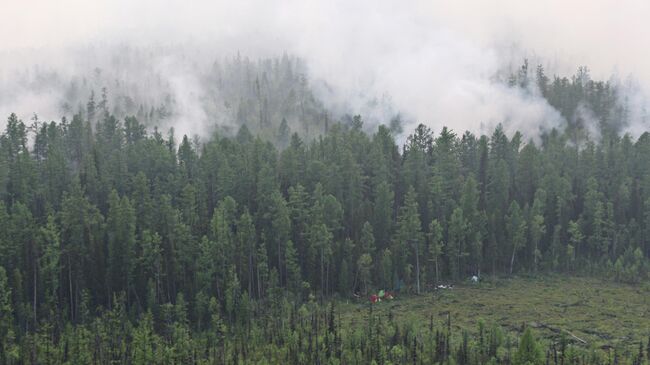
(433, 62)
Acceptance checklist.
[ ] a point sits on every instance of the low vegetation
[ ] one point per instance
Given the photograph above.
(590, 313)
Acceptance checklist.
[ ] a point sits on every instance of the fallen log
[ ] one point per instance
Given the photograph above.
(556, 330)
(576, 337)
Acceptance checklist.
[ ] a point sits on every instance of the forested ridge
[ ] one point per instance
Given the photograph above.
(121, 243)
(166, 87)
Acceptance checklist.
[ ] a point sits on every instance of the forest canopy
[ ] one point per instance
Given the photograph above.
(107, 221)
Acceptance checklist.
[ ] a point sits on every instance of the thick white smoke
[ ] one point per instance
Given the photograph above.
(434, 62)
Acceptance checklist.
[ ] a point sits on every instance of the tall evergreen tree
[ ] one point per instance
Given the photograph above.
(409, 234)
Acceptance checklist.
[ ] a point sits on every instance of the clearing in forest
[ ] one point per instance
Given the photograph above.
(600, 313)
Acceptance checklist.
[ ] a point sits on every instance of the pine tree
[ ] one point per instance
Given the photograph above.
(280, 230)
(50, 261)
(365, 260)
(516, 228)
(145, 341)
(364, 265)
(435, 247)
(456, 245)
(223, 223)
(262, 269)
(528, 352)
(10, 351)
(120, 225)
(469, 204)
(537, 227)
(247, 244)
(320, 243)
(294, 277)
(82, 254)
(409, 234)
(387, 268)
(575, 240)
(383, 214)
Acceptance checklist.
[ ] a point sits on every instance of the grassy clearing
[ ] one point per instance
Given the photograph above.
(599, 312)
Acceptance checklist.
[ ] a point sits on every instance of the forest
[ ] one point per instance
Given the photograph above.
(122, 243)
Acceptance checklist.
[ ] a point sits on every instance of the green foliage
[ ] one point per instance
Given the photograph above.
(528, 352)
(10, 351)
(516, 229)
(107, 225)
(408, 236)
(435, 247)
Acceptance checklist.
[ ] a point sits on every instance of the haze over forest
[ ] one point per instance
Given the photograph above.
(297, 182)
(431, 62)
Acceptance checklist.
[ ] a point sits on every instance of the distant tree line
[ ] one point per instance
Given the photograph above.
(269, 95)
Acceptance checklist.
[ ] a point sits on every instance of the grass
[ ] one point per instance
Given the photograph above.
(602, 313)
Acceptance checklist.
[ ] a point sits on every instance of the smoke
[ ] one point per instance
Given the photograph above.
(634, 102)
(53, 83)
(433, 62)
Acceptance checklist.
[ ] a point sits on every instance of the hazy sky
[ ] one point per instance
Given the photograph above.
(602, 33)
(400, 48)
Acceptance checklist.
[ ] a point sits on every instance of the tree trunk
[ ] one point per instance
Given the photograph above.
(458, 266)
(512, 259)
(70, 289)
(279, 263)
(35, 261)
(494, 265)
(250, 273)
(437, 272)
(327, 278)
(322, 271)
(259, 284)
(417, 267)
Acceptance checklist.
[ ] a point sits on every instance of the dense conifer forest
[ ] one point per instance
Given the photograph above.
(122, 243)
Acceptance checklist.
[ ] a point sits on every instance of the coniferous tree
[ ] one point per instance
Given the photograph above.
(436, 247)
(9, 353)
(456, 244)
(365, 261)
(528, 352)
(409, 234)
(233, 230)
(516, 228)
(537, 227)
